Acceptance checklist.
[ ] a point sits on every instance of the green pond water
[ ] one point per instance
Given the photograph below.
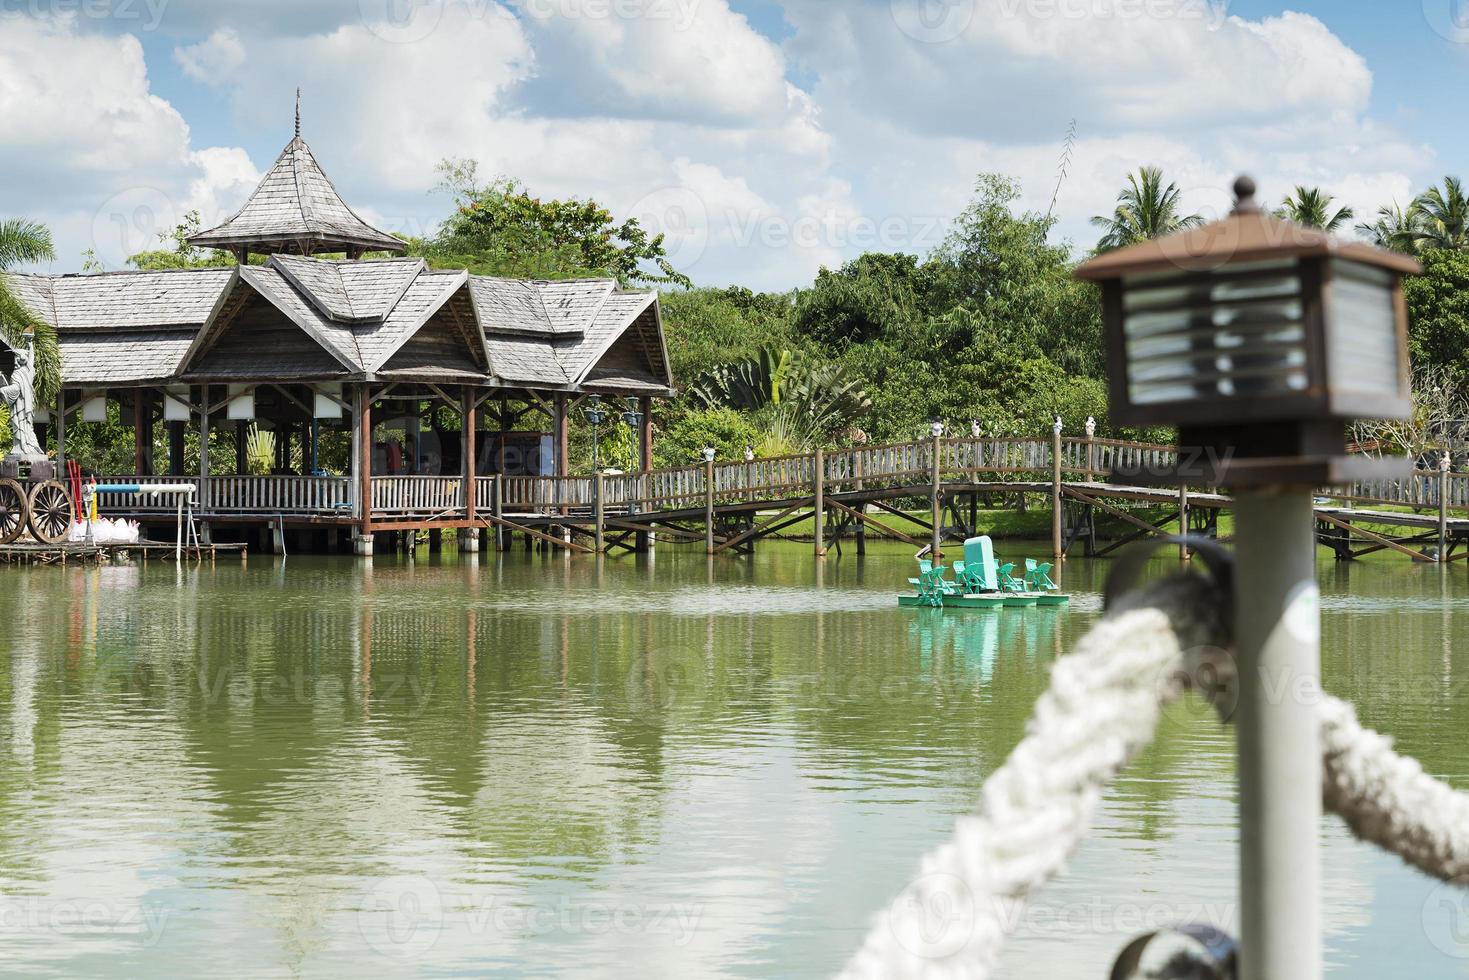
(540, 766)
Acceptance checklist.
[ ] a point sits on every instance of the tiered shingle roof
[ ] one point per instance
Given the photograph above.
(296, 210)
(371, 317)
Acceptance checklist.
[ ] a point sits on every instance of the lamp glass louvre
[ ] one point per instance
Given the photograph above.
(176, 405)
(1239, 333)
(241, 405)
(94, 409)
(1363, 355)
(323, 405)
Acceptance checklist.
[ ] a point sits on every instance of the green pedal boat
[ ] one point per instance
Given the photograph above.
(980, 583)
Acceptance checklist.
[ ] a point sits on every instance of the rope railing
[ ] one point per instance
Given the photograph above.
(1101, 709)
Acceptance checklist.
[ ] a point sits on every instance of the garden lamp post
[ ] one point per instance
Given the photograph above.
(597, 417)
(634, 420)
(1262, 340)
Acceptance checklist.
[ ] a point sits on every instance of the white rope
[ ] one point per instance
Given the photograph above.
(1101, 709)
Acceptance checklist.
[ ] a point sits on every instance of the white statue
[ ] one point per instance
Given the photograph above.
(1091, 426)
(19, 392)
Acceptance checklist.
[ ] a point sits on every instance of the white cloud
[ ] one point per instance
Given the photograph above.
(89, 149)
(218, 55)
(863, 129)
(915, 108)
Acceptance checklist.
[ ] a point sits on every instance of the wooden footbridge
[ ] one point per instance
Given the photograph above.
(924, 493)
(937, 486)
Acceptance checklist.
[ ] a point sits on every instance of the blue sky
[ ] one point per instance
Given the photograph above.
(767, 137)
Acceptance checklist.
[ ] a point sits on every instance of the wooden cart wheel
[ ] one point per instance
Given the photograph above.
(50, 512)
(12, 511)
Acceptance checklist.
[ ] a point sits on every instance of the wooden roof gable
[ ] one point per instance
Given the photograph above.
(310, 296)
(296, 208)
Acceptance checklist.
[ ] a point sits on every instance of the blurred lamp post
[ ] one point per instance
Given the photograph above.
(1262, 340)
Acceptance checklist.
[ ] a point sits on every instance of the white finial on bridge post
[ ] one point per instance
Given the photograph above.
(1091, 427)
(1057, 426)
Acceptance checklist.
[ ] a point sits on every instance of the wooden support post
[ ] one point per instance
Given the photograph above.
(140, 424)
(204, 449)
(502, 535)
(861, 528)
(1183, 550)
(504, 433)
(935, 551)
(364, 459)
(645, 406)
(709, 507)
(61, 430)
(241, 463)
(563, 437)
(599, 516)
(1443, 510)
(176, 448)
(818, 481)
(470, 427)
(1091, 459)
(1058, 554)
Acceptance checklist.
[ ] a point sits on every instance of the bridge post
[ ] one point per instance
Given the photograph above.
(861, 505)
(1183, 552)
(935, 552)
(818, 481)
(1443, 509)
(709, 506)
(1058, 553)
(497, 507)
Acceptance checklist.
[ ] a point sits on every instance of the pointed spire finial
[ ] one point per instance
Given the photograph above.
(298, 112)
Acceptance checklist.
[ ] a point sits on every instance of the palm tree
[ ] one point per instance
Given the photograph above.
(1443, 216)
(1311, 206)
(1395, 228)
(23, 241)
(1146, 208)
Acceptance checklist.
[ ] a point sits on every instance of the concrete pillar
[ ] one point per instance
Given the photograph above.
(469, 540)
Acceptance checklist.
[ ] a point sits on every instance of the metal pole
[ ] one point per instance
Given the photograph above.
(1443, 511)
(1278, 628)
(1183, 552)
(935, 551)
(709, 507)
(1057, 552)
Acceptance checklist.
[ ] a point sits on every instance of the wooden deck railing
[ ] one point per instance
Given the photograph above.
(911, 464)
(427, 496)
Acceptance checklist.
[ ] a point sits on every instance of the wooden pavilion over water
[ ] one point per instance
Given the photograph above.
(301, 344)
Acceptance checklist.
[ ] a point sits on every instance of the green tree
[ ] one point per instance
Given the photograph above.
(1146, 208)
(499, 229)
(1311, 206)
(871, 296)
(1438, 312)
(178, 253)
(705, 327)
(1396, 228)
(24, 242)
(1442, 215)
(800, 402)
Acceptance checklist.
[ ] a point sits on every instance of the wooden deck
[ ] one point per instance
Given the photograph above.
(851, 492)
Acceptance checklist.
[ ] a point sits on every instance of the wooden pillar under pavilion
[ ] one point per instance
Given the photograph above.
(563, 436)
(362, 432)
(176, 448)
(469, 426)
(140, 433)
(646, 436)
